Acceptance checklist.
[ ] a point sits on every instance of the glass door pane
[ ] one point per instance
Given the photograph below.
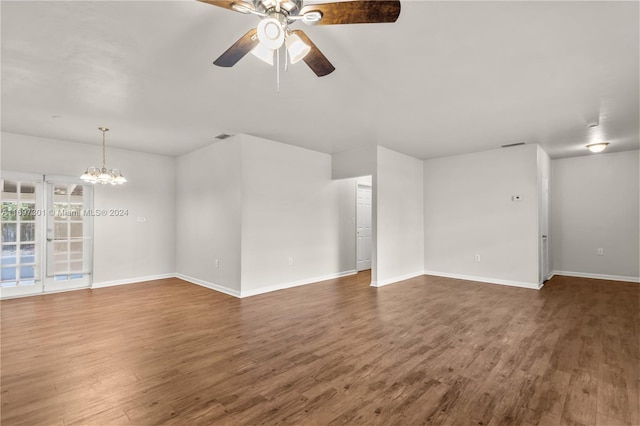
(69, 236)
(21, 227)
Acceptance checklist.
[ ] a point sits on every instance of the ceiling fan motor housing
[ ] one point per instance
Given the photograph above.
(289, 7)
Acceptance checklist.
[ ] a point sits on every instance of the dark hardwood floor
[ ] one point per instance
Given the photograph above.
(426, 351)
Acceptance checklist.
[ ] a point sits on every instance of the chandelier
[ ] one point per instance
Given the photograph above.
(103, 175)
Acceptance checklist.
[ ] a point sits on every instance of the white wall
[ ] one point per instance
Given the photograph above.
(291, 208)
(398, 218)
(595, 205)
(125, 250)
(354, 162)
(208, 216)
(468, 210)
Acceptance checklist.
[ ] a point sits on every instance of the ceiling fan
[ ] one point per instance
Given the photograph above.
(273, 31)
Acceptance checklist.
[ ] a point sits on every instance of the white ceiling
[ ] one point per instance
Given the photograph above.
(448, 78)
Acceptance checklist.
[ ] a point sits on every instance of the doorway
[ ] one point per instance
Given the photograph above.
(363, 227)
(544, 227)
(69, 236)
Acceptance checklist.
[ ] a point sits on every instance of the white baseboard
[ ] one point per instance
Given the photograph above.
(291, 284)
(597, 276)
(396, 279)
(207, 284)
(523, 284)
(131, 280)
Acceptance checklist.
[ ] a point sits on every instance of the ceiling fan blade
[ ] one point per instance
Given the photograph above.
(244, 45)
(355, 12)
(318, 63)
(228, 4)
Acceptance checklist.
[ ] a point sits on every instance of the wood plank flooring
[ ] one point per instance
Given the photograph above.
(426, 351)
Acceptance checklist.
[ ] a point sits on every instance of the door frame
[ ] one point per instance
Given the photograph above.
(370, 188)
(545, 267)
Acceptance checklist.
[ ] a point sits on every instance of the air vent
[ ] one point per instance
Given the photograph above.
(222, 136)
(513, 144)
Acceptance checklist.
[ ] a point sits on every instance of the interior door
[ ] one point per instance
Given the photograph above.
(22, 224)
(363, 228)
(69, 236)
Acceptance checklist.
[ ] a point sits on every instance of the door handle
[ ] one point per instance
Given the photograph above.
(544, 237)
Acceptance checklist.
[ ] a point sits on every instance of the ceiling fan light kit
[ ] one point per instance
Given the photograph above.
(297, 48)
(273, 32)
(263, 53)
(270, 33)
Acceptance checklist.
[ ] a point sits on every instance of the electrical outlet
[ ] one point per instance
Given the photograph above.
(290, 261)
(600, 251)
(476, 258)
(217, 263)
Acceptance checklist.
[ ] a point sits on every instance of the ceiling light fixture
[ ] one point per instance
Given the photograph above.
(273, 35)
(597, 147)
(296, 48)
(103, 175)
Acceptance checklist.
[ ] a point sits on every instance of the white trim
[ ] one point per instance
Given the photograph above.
(37, 291)
(11, 175)
(211, 286)
(297, 283)
(597, 276)
(42, 293)
(130, 280)
(396, 279)
(74, 180)
(533, 286)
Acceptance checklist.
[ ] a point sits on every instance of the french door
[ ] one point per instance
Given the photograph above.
(22, 223)
(68, 235)
(47, 230)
